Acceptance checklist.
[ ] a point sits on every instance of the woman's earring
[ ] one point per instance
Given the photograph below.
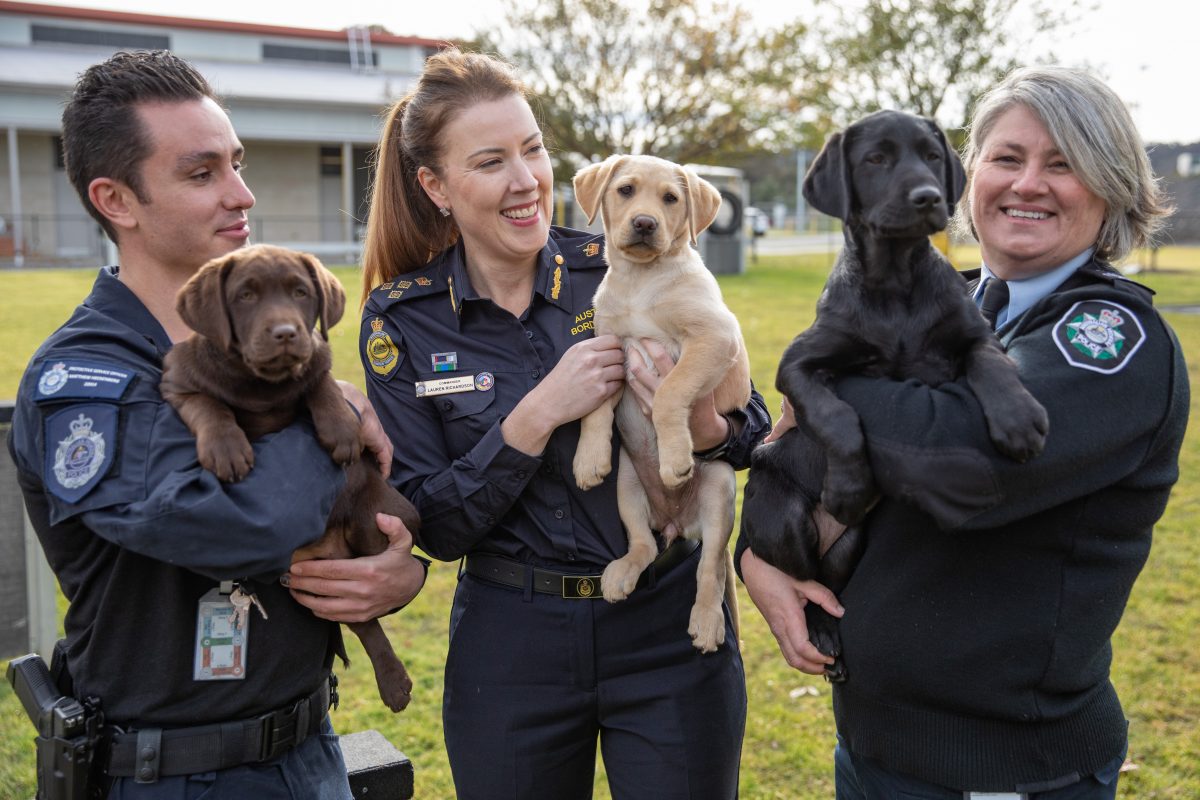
(445, 211)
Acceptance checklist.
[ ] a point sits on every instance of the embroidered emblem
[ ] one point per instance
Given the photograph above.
(1099, 336)
(394, 295)
(387, 285)
(403, 284)
(591, 249)
(80, 455)
(422, 281)
(557, 287)
(53, 379)
(382, 352)
(484, 381)
(444, 362)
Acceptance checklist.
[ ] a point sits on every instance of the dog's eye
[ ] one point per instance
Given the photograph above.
(670, 197)
(246, 295)
(933, 155)
(625, 191)
(875, 158)
(300, 291)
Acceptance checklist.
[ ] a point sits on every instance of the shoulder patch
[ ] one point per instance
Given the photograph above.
(1098, 335)
(80, 446)
(380, 351)
(70, 379)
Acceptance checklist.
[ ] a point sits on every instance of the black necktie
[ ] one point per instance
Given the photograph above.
(995, 297)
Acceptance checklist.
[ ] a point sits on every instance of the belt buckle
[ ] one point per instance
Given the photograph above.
(580, 587)
(275, 739)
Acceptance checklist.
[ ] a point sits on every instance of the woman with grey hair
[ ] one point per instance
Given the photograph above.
(977, 624)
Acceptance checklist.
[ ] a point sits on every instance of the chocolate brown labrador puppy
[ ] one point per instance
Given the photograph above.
(892, 307)
(253, 360)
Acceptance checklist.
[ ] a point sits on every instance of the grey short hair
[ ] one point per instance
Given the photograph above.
(1094, 131)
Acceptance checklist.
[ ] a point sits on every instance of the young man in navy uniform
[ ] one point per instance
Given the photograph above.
(165, 567)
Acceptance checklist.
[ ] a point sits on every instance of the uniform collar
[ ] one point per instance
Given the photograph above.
(551, 281)
(1022, 294)
(114, 299)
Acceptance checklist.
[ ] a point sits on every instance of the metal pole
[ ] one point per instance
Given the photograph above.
(801, 207)
(350, 210)
(14, 172)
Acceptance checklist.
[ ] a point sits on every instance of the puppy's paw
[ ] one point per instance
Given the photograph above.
(848, 493)
(675, 466)
(620, 579)
(341, 440)
(591, 466)
(227, 455)
(395, 686)
(1019, 428)
(706, 627)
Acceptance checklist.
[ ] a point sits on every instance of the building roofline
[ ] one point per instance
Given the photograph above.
(101, 15)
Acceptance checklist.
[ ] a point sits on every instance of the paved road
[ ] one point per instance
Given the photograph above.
(792, 244)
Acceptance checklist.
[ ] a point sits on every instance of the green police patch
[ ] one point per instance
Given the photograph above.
(1099, 336)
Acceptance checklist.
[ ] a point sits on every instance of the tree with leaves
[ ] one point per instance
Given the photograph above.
(687, 80)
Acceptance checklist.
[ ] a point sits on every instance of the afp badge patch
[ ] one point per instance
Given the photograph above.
(80, 442)
(1099, 336)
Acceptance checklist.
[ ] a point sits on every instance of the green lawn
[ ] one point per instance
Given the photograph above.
(789, 736)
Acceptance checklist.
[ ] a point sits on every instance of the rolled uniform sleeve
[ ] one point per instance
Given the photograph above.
(152, 497)
(1108, 419)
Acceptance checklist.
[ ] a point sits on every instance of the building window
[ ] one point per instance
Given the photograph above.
(313, 55)
(132, 40)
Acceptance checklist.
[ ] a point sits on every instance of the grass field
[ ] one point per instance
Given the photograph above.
(789, 735)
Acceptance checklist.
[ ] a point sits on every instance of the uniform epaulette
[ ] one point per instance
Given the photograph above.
(582, 249)
(426, 281)
(1113, 277)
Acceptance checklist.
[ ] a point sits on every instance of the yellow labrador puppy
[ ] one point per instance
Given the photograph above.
(658, 288)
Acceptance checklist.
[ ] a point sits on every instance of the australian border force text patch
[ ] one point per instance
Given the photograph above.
(1099, 336)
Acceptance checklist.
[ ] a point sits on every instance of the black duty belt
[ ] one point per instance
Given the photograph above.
(151, 753)
(508, 572)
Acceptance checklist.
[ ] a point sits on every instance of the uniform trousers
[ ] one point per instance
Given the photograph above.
(313, 770)
(533, 680)
(860, 778)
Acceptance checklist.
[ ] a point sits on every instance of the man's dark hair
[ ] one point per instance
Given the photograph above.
(102, 135)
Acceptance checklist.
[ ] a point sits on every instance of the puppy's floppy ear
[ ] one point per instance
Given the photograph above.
(331, 297)
(703, 202)
(591, 182)
(827, 186)
(954, 178)
(201, 302)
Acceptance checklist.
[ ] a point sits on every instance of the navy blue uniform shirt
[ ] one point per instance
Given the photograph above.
(137, 531)
(450, 458)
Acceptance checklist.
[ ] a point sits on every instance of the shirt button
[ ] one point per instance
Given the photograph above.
(491, 519)
(535, 374)
(521, 474)
(528, 334)
(570, 556)
(559, 514)
(447, 405)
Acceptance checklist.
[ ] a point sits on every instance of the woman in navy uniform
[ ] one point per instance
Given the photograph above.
(480, 357)
(982, 666)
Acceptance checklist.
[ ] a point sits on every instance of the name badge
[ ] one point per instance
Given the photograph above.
(482, 382)
(221, 634)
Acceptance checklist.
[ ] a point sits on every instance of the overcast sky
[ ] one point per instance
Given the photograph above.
(1147, 49)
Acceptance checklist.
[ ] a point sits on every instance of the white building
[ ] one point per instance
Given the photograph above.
(307, 104)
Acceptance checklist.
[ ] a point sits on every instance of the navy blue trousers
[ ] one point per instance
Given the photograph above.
(534, 680)
(860, 778)
(314, 770)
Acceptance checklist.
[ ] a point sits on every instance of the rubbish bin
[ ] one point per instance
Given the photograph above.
(723, 245)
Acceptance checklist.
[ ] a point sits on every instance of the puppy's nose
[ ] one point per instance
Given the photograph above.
(284, 332)
(925, 196)
(644, 223)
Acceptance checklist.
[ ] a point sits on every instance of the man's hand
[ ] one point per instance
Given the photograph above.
(359, 589)
(781, 599)
(374, 437)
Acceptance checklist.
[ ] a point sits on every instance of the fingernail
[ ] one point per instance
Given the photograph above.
(285, 579)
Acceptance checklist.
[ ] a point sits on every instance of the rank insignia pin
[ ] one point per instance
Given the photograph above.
(444, 362)
(591, 249)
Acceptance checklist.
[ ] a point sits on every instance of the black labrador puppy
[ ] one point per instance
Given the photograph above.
(892, 307)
